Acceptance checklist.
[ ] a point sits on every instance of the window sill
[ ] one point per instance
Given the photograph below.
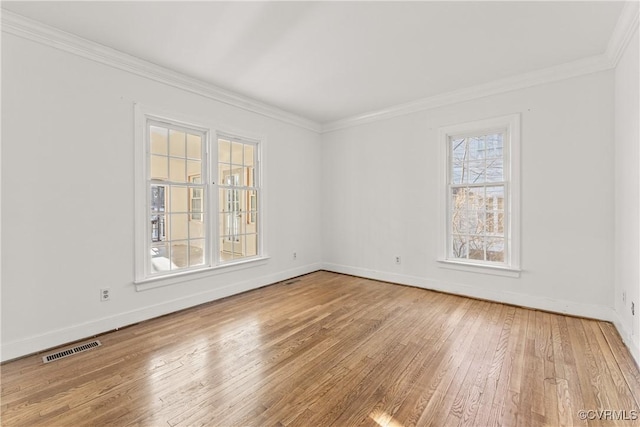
(480, 268)
(185, 276)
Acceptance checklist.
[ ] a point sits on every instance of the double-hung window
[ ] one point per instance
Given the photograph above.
(237, 198)
(176, 168)
(197, 197)
(481, 194)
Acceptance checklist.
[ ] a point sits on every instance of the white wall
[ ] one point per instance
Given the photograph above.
(380, 198)
(627, 195)
(349, 200)
(68, 198)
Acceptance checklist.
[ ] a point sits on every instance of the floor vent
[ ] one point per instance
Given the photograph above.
(291, 282)
(71, 351)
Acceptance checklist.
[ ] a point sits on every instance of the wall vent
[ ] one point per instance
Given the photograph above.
(71, 351)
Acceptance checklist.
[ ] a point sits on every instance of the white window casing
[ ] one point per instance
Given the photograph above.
(178, 207)
(479, 185)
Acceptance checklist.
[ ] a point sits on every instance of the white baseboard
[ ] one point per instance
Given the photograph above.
(631, 341)
(593, 311)
(37, 343)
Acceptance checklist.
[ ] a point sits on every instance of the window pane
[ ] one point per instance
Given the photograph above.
(241, 224)
(224, 172)
(180, 253)
(252, 207)
(459, 149)
(495, 250)
(159, 168)
(158, 228)
(475, 198)
(177, 141)
(224, 151)
(194, 146)
(158, 137)
(194, 171)
(252, 226)
(495, 170)
(458, 198)
(158, 198)
(222, 224)
(458, 172)
(490, 222)
(459, 247)
(495, 197)
(179, 199)
(251, 245)
(196, 229)
(224, 256)
(237, 177)
(237, 153)
(196, 252)
(476, 222)
(248, 155)
(230, 222)
(476, 148)
(224, 200)
(196, 204)
(250, 177)
(177, 170)
(475, 174)
(242, 200)
(494, 145)
(476, 247)
(179, 226)
(160, 258)
(459, 221)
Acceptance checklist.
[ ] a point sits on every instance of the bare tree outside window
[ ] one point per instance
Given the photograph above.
(477, 198)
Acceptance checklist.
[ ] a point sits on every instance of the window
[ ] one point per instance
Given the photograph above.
(481, 193)
(176, 165)
(238, 194)
(197, 197)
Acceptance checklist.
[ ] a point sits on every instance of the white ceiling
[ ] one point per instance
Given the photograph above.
(331, 60)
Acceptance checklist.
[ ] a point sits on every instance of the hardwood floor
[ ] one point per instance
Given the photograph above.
(337, 350)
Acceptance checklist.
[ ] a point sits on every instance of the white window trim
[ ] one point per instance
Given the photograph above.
(188, 275)
(260, 142)
(142, 279)
(511, 123)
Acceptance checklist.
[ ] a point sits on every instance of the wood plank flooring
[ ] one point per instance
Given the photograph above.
(336, 350)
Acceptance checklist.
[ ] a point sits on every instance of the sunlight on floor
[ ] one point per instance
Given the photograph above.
(383, 419)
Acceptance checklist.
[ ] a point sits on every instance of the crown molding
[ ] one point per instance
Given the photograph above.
(21, 26)
(625, 28)
(548, 75)
(36, 31)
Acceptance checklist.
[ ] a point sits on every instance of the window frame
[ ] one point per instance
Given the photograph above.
(257, 144)
(510, 126)
(144, 278)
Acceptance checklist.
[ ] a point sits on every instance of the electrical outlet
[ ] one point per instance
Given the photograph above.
(295, 256)
(105, 294)
(398, 260)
